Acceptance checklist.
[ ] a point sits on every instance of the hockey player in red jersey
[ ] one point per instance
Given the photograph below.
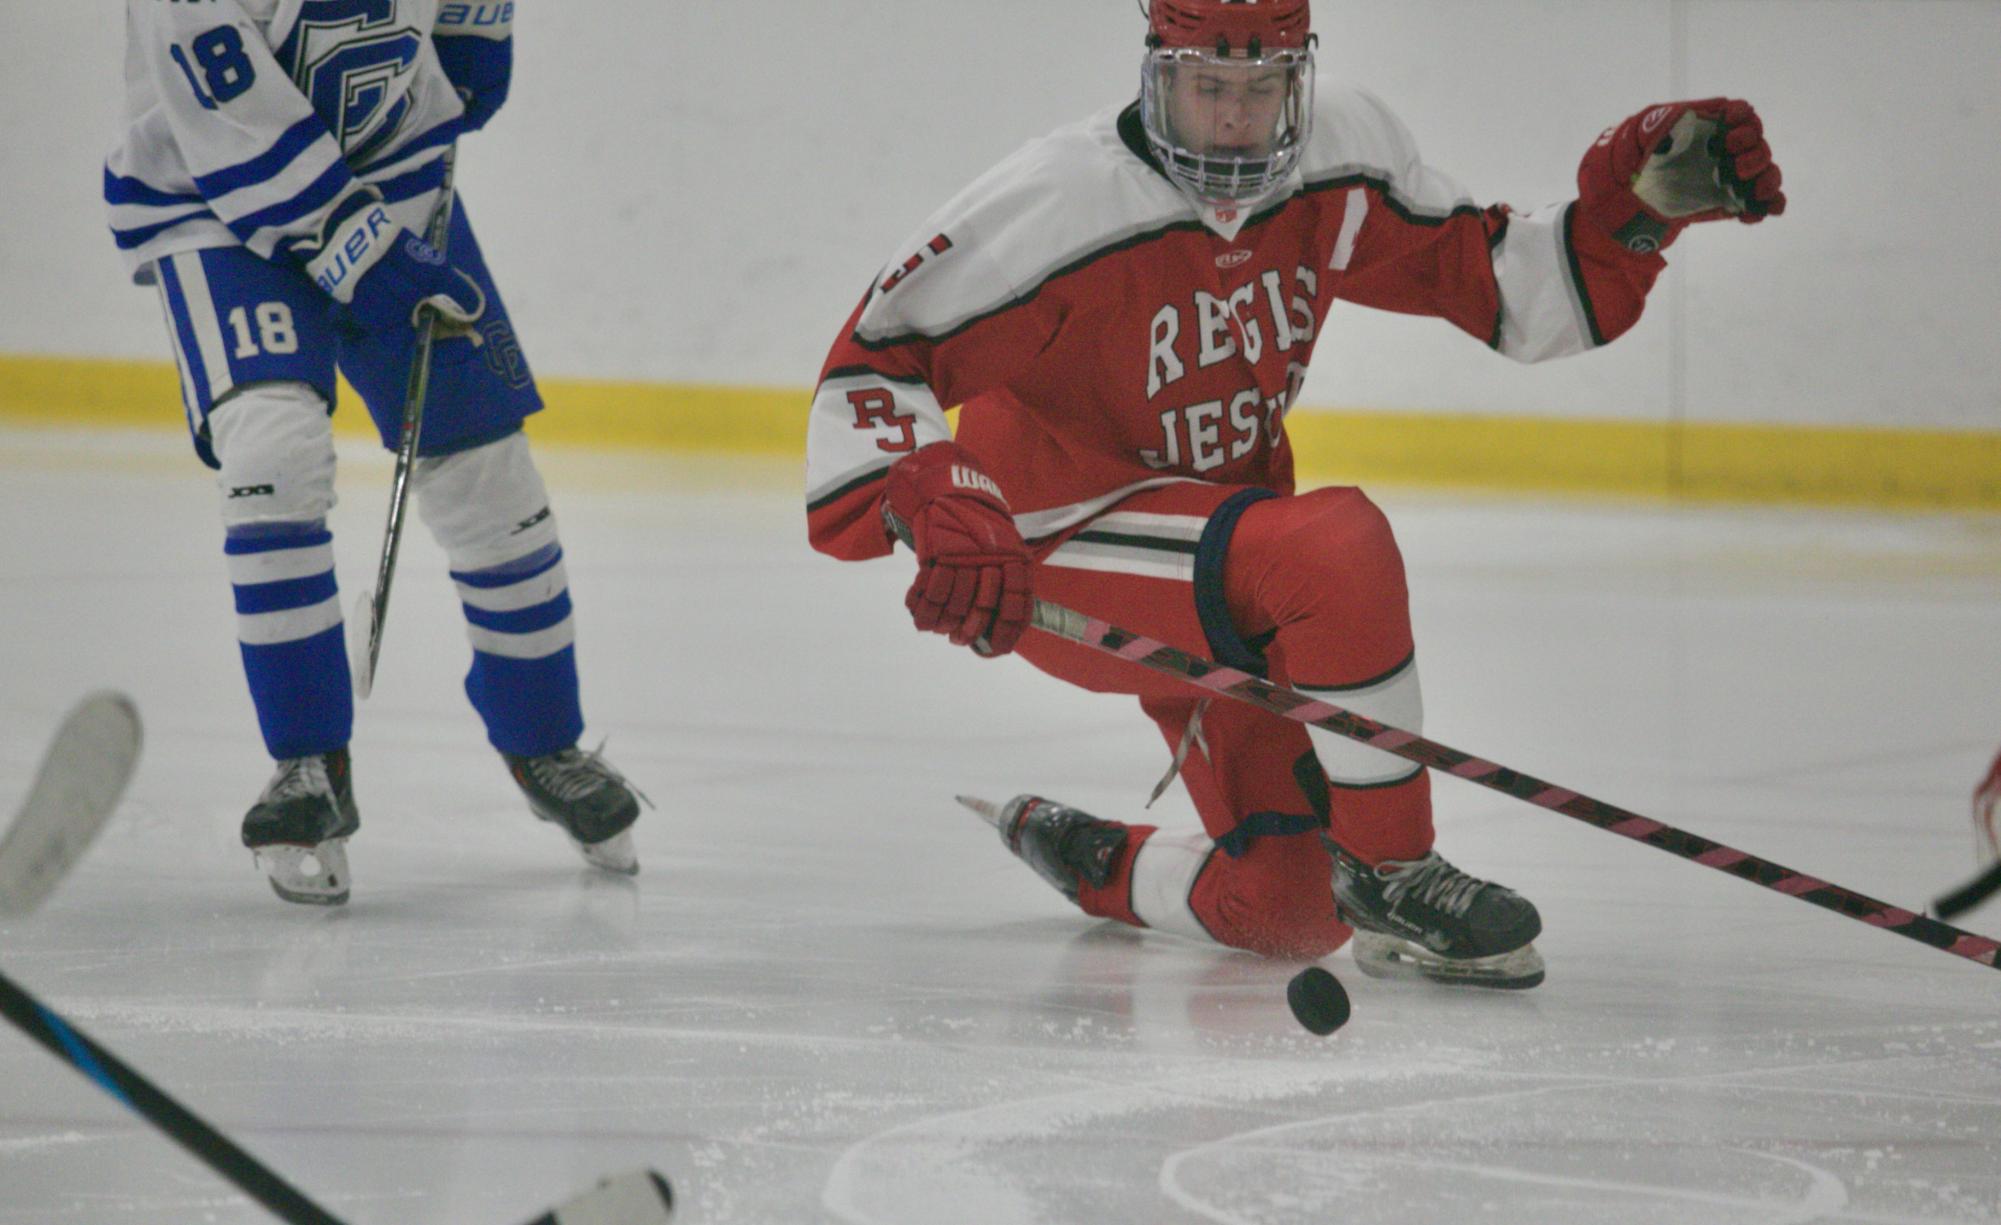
(1124, 311)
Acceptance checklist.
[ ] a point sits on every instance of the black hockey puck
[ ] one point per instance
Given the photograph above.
(1318, 1000)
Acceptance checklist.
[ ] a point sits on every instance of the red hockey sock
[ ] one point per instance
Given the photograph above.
(1113, 899)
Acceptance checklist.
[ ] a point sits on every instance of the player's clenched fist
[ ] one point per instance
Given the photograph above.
(972, 567)
(1650, 177)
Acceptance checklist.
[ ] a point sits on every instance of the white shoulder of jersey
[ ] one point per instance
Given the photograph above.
(1357, 139)
(227, 138)
(1052, 206)
(1355, 136)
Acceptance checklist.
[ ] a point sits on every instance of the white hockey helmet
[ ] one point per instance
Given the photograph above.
(1226, 94)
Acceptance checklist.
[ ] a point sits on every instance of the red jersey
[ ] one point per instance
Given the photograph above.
(1103, 334)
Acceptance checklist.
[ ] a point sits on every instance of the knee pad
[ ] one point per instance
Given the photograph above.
(485, 506)
(275, 444)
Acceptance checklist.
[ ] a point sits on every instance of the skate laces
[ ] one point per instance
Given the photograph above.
(1190, 735)
(571, 774)
(1432, 880)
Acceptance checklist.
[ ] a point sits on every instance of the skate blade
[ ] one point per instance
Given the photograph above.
(615, 854)
(308, 875)
(1381, 956)
(986, 810)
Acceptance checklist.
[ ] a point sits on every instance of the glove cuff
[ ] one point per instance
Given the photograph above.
(492, 19)
(939, 470)
(1642, 231)
(352, 245)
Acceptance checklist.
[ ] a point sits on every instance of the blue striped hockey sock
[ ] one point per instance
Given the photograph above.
(523, 680)
(288, 625)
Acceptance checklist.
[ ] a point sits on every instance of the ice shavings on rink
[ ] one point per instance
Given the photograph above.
(831, 995)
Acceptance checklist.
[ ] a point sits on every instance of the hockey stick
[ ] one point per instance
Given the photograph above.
(1987, 822)
(78, 785)
(115, 1077)
(1073, 626)
(1970, 894)
(372, 607)
(638, 1198)
(81, 777)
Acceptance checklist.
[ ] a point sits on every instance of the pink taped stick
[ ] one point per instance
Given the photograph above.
(1157, 656)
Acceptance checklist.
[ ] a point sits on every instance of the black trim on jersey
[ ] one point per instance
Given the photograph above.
(1371, 683)
(1023, 298)
(1390, 201)
(1132, 133)
(843, 491)
(1577, 274)
(1156, 543)
(849, 372)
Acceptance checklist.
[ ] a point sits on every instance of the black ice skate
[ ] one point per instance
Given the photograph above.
(589, 799)
(1067, 848)
(299, 827)
(1424, 918)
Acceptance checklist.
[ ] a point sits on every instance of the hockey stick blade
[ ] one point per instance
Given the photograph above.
(1970, 894)
(986, 810)
(637, 1197)
(84, 772)
(1156, 656)
(364, 640)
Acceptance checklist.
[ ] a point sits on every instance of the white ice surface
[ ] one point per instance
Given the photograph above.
(830, 996)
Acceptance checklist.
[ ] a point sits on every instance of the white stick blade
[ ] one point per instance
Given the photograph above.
(638, 1197)
(988, 811)
(361, 644)
(82, 775)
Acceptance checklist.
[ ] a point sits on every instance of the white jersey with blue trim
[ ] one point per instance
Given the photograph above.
(250, 122)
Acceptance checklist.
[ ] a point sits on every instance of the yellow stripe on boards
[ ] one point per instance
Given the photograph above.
(1886, 468)
(1711, 462)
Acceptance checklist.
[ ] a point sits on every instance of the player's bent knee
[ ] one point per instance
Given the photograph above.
(486, 506)
(1332, 538)
(1342, 526)
(1276, 901)
(275, 445)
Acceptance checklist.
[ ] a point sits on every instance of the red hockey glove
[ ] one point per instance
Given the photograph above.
(972, 568)
(1674, 164)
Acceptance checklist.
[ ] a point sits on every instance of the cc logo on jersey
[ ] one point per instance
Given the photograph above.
(348, 78)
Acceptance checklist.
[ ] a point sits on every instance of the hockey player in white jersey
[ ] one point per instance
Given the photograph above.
(1123, 312)
(280, 162)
